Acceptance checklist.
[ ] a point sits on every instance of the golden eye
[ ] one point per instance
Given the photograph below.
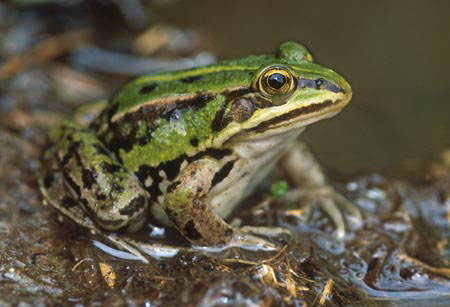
(276, 81)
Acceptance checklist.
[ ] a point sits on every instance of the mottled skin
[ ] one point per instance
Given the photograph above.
(193, 143)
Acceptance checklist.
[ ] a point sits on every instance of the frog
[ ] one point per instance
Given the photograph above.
(186, 146)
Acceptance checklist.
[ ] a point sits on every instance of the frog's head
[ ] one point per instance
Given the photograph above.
(288, 92)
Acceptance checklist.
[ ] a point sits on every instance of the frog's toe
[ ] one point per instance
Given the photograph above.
(270, 232)
(246, 240)
(333, 204)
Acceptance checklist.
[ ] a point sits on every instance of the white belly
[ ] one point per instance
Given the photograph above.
(257, 159)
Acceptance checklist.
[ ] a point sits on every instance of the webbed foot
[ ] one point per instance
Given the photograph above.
(331, 202)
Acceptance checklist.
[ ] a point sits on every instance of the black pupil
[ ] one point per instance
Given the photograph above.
(276, 80)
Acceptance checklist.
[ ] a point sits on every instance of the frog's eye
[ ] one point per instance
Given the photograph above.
(276, 81)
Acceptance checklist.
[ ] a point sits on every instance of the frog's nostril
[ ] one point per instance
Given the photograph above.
(319, 83)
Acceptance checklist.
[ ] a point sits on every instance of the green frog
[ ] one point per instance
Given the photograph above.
(186, 146)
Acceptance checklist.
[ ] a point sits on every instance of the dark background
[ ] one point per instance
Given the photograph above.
(395, 54)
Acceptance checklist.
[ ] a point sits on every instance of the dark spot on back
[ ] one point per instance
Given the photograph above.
(194, 142)
(146, 89)
(172, 168)
(146, 171)
(100, 149)
(191, 79)
(89, 178)
(110, 168)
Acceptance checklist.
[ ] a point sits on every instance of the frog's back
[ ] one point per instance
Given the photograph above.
(161, 117)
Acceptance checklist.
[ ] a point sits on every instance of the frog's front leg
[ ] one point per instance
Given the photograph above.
(305, 173)
(110, 194)
(187, 205)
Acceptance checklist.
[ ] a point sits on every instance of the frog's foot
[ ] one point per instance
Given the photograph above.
(304, 172)
(252, 237)
(77, 215)
(331, 202)
(269, 232)
(249, 238)
(154, 250)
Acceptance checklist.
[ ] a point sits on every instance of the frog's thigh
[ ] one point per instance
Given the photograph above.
(106, 190)
(187, 205)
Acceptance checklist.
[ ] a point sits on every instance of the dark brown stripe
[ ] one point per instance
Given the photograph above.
(157, 110)
(105, 222)
(136, 205)
(191, 79)
(237, 92)
(148, 115)
(72, 184)
(293, 114)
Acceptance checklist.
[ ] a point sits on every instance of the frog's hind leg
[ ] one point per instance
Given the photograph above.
(83, 181)
(53, 187)
(305, 172)
(109, 193)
